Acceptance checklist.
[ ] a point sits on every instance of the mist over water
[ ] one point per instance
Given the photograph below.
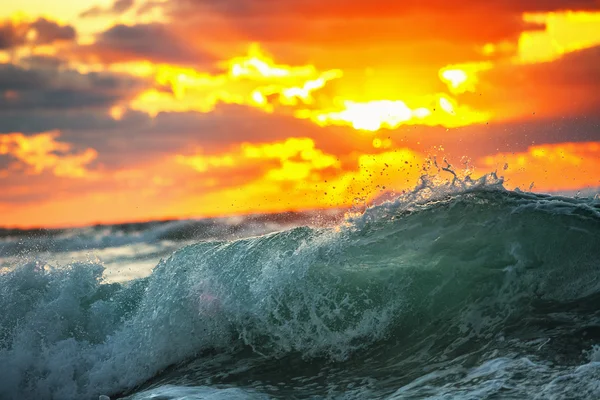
(455, 290)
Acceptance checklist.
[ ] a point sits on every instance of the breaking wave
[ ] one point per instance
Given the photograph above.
(458, 289)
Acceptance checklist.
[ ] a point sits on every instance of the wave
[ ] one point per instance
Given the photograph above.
(15, 242)
(429, 277)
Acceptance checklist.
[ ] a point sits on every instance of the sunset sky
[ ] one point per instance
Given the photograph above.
(131, 110)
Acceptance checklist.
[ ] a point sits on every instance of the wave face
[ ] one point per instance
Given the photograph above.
(472, 293)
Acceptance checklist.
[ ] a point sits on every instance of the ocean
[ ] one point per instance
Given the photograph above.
(462, 290)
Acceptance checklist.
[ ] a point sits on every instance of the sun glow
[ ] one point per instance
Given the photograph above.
(377, 114)
(463, 78)
(253, 80)
(455, 77)
(256, 80)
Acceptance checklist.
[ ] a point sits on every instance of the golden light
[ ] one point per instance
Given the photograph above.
(455, 77)
(369, 116)
(446, 105)
(316, 178)
(374, 115)
(254, 80)
(565, 32)
(203, 163)
(549, 167)
(41, 152)
(257, 65)
(117, 112)
(304, 93)
(462, 78)
(298, 159)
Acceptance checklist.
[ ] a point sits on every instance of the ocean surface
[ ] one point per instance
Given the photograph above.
(462, 290)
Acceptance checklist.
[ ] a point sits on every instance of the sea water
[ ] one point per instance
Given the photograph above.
(459, 291)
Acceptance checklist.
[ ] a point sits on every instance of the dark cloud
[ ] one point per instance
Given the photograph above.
(58, 99)
(118, 7)
(6, 160)
(149, 6)
(14, 78)
(514, 136)
(81, 121)
(53, 88)
(14, 34)
(138, 138)
(11, 35)
(154, 42)
(42, 62)
(49, 31)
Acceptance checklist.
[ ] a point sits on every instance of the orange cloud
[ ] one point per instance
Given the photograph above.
(302, 177)
(42, 152)
(335, 96)
(254, 80)
(21, 30)
(548, 71)
(257, 81)
(296, 159)
(564, 32)
(549, 167)
(407, 74)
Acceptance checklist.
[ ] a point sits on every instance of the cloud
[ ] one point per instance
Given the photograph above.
(11, 35)
(52, 88)
(254, 79)
(41, 31)
(117, 8)
(42, 152)
(549, 167)
(294, 174)
(374, 8)
(238, 160)
(335, 28)
(565, 87)
(153, 42)
(293, 159)
(348, 23)
(564, 33)
(579, 68)
(142, 139)
(138, 138)
(304, 91)
(47, 32)
(41, 61)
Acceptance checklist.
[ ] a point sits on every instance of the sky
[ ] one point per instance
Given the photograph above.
(130, 110)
